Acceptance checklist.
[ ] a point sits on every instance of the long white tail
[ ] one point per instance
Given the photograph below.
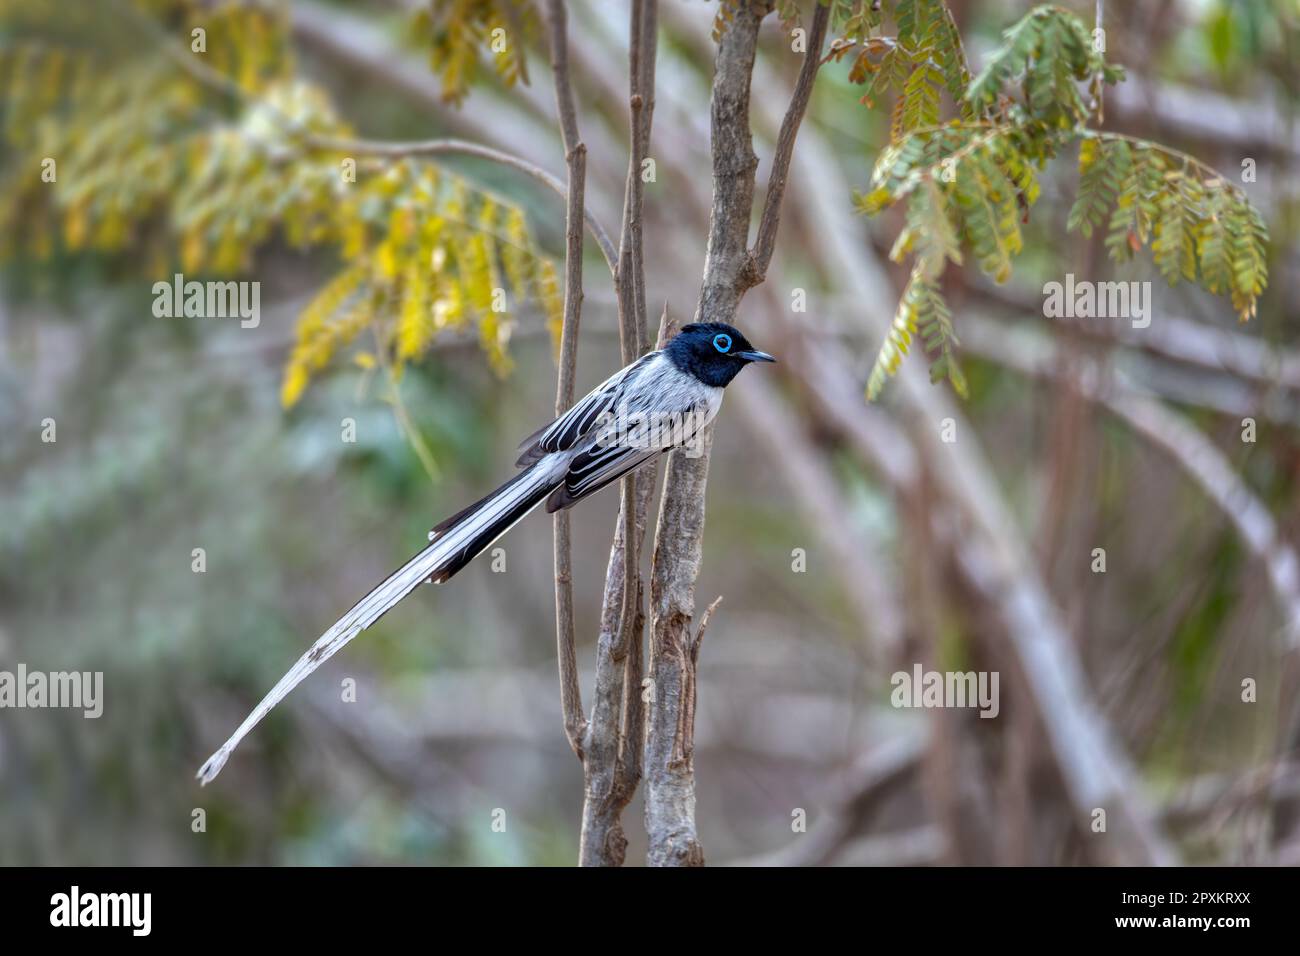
(455, 543)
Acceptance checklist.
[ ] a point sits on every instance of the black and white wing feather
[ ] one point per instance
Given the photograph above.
(593, 468)
(575, 424)
(653, 408)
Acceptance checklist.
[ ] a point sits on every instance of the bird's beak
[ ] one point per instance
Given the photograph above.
(755, 356)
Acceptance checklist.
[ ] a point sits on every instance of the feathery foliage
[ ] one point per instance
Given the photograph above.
(198, 159)
(459, 32)
(918, 64)
(969, 181)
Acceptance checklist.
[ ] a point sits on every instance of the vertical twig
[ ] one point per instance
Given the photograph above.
(1098, 86)
(575, 154)
(765, 241)
(613, 742)
(642, 47)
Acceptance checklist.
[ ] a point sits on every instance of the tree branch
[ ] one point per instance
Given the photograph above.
(575, 153)
(613, 769)
(765, 243)
(618, 679)
(679, 538)
(642, 47)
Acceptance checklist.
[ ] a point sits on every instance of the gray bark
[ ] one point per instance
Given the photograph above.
(679, 539)
(730, 268)
(613, 769)
(575, 153)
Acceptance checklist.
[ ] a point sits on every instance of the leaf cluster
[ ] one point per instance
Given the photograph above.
(968, 183)
(463, 35)
(153, 161)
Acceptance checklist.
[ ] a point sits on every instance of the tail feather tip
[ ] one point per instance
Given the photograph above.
(208, 772)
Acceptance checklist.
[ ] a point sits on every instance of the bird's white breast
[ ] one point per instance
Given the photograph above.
(661, 388)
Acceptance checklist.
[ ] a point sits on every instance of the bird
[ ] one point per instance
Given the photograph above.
(661, 401)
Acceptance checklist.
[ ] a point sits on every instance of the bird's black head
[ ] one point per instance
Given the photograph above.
(713, 352)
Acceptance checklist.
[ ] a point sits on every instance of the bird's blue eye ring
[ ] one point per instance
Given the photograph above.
(722, 342)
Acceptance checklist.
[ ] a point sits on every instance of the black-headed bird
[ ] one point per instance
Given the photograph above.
(661, 401)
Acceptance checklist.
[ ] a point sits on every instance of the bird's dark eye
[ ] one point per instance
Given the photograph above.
(722, 342)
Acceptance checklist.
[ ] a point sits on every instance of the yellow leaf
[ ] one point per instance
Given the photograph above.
(354, 237)
(229, 255)
(386, 261)
(75, 227)
(414, 329)
(192, 248)
(295, 383)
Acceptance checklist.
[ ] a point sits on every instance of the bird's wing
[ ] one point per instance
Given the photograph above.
(567, 430)
(664, 409)
(595, 467)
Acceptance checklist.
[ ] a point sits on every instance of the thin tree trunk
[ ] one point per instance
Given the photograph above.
(730, 269)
